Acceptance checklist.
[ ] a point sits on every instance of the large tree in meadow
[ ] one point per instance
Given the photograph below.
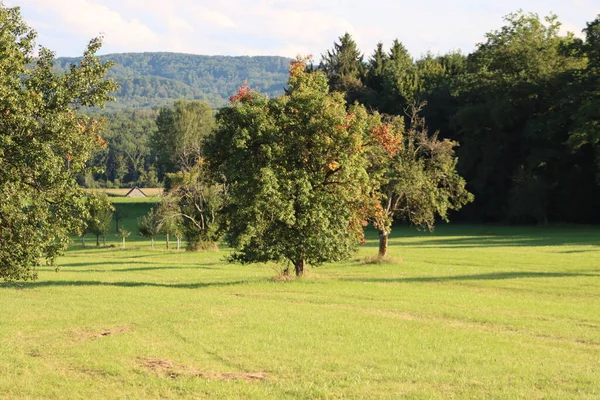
(45, 142)
(296, 173)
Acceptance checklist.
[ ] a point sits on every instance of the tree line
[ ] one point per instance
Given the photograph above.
(524, 107)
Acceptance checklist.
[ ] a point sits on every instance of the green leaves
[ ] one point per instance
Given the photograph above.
(295, 170)
(181, 130)
(44, 143)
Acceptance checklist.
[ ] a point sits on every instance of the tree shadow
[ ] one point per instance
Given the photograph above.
(577, 251)
(501, 241)
(73, 267)
(476, 277)
(140, 269)
(468, 236)
(89, 264)
(41, 284)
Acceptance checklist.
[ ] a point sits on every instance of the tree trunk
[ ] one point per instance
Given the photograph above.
(83, 240)
(299, 266)
(167, 237)
(178, 243)
(152, 242)
(104, 240)
(98, 240)
(383, 244)
(123, 242)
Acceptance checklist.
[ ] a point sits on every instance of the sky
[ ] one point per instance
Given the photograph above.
(280, 27)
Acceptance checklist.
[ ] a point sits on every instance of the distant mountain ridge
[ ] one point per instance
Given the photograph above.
(154, 79)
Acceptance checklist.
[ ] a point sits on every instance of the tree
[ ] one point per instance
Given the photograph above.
(169, 222)
(123, 234)
(192, 207)
(181, 128)
(376, 68)
(419, 180)
(100, 216)
(344, 67)
(149, 225)
(586, 129)
(45, 142)
(295, 170)
(400, 80)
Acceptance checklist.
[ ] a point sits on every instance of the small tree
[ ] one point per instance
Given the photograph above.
(417, 175)
(179, 235)
(149, 225)
(100, 216)
(119, 215)
(123, 234)
(170, 219)
(192, 207)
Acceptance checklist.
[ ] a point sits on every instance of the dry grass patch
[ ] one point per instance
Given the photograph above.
(175, 370)
(89, 335)
(376, 260)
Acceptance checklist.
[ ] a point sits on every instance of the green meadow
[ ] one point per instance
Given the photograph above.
(464, 312)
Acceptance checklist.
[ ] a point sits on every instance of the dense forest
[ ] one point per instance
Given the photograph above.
(524, 107)
(155, 79)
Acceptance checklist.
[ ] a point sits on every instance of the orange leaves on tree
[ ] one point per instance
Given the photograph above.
(244, 92)
(100, 141)
(333, 166)
(348, 122)
(387, 138)
(299, 64)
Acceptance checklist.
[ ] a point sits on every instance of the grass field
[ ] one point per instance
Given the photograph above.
(467, 312)
(150, 192)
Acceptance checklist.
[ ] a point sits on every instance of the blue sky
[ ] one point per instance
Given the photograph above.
(279, 27)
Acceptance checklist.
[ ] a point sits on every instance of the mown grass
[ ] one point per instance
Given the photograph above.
(466, 312)
(121, 192)
(136, 200)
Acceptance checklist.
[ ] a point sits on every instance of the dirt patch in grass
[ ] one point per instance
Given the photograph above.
(88, 335)
(175, 370)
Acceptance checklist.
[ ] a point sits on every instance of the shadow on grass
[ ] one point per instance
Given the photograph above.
(489, 241)
(73, 267)
(503, 241)
(482, 236)
(89, 264)
(199, 285)
(477, 277)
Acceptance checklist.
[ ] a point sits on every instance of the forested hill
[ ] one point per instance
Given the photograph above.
(155, 79)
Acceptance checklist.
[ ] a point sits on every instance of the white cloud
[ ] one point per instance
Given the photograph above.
(281, 27)
(87, 18)
(211, 17)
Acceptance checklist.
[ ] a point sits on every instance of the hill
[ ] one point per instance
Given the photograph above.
(154, 79)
